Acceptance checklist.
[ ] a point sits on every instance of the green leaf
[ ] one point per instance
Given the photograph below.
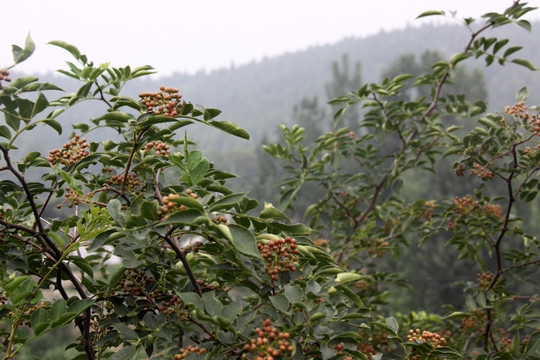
(525, 63)
(244, 241)
(55, 125)
(57, 309)
(280, 302)
(116, 116)
(270, 212)
(126, 353)
(149, 209)
(393, 324)
(64, 45)
(532, 345)
(79, 306)
(22, 291)
(19, 55)
(210, 113)
(446, 352)
(293, 293)
(213, 306)
(351, 295)
(317, 317)
(62, 319)
(182, 217)
(293, 229)
(430, 13)
(188, 202)
(522, 94)
(40, 320)
(22, 81)
(127, 332)
(227, 202)
(511, 50)
(82, 264)
(114, 207)
(197, 173)
(346, 277)
(192, 299)
(4, 132)
(150, 320)
(230, 128)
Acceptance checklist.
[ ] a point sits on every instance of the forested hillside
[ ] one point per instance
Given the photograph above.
(260, 95)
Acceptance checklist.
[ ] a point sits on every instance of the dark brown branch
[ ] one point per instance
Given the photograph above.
(102, 96)
(180, 254)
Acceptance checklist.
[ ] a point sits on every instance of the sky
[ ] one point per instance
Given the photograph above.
(190, 36)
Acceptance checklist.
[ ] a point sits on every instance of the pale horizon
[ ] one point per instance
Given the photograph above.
(188, 36)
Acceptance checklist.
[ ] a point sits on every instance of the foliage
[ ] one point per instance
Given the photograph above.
(138, 242)
(369, 216)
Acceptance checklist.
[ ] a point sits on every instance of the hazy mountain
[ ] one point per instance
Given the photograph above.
(260, 95)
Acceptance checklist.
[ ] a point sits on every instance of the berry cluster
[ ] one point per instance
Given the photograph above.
(270, 344)
(472, 321)
(460, 170)
(206, 285)
(183, 353)
(280, 255)
(134, 281)
(167, 101)
(133, 180)
(159, 147)
(321, 242)
(518, 109)
(339, 348)
(72, 198)
(220, 219)
(464, 205)
(494, 210)
(173, 305)
(484, 279)
(192, 193)
(169, 206)
(432, 338)
(374, 342)
(483, 172)
(72, 151)
(4, 76)
(377, 247)
(427, 211)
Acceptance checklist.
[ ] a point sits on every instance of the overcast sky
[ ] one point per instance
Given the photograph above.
(194, 35)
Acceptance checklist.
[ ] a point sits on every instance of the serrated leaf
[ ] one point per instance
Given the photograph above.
(244, 241)
(351, 295)
(532, 345)
(79, 306)
(182, 217)
(125, 353)
(4, 132)
(19, 55)
(270, 212)
(280, 302)
(188, 202)
(393, 324)
(230, 128)
(522, 94)
(127, 332)
(213, 306)
(62, 319)
(210, 113)
(55, 125)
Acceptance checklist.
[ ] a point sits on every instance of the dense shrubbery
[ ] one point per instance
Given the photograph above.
(139, 243)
